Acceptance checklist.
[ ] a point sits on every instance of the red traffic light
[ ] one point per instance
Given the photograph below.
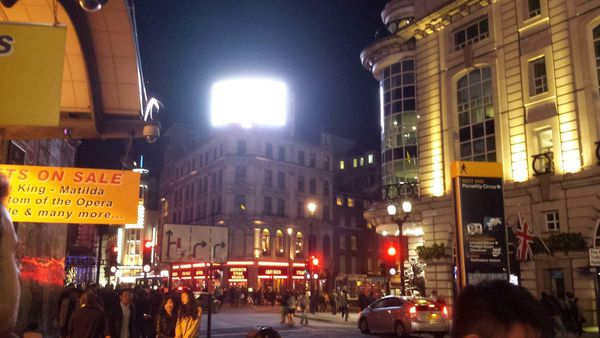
(391, 251)
(315, 261)
(148, 244)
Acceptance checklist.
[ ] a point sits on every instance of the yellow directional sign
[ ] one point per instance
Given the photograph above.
(31, 68)
(72, 195)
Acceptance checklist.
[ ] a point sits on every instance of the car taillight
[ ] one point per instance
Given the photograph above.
(413, 311)
(445, 311)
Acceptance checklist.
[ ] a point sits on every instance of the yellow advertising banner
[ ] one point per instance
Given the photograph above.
(72, 195)
(31, 64)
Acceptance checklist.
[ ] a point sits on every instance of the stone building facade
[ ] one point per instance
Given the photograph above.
(258, 183)
(514, 82)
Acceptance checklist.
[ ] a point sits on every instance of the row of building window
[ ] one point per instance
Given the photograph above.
(199, 161)
(266, 239)
(281, 155)
(358, 161)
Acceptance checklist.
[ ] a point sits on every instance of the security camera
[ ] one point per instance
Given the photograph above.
(151, 132)
(92, 5)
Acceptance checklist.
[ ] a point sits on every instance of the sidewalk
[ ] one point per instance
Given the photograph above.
(328, 317)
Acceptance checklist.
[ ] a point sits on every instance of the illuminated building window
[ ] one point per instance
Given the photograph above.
(370, 159)
(299, 245)
(133, 246)
(240, 204)
(552, 221)
(353, 245)
(476, 116)
(301, 157)
(339, 200)
(265, 243)
(471, 34)
(342, 165)
(279, 243)
(354, 162)
(362, 161)
(543, 140)
(533, 8)
(350, 202)
(538, 78)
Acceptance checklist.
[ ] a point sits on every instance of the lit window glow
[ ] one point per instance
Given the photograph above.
(248, 102)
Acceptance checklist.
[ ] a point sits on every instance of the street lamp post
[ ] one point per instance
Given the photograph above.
(290, 231)
(392, 210)
(312, 207)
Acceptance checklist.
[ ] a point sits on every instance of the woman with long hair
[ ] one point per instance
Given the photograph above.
(88, 320)
(166, 319)
(188, 318)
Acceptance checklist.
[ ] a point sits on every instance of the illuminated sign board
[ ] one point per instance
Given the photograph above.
(31, 64)
(194, 243)
(482, 250)
(272, 271)
(72, 195)
(248, 102)
(239, 274)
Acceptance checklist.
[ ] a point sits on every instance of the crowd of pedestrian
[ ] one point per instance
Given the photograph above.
(127, 313)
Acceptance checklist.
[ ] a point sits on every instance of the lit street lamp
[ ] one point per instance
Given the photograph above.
(392, 210)
(290, 231)
(312, 208)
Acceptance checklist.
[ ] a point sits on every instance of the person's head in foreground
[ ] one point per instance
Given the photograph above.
(498, 309)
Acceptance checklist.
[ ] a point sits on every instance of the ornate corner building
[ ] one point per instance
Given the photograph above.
(515, 82)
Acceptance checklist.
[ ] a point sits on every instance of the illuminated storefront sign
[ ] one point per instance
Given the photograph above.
(238, 274)
(72, 195)
(31, 64)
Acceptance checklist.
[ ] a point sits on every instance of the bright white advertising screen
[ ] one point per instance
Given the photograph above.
(249, 102)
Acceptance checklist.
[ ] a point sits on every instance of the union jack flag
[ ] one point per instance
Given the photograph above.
(525, 235)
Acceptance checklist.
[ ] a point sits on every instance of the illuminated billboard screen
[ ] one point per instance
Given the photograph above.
(249, 102)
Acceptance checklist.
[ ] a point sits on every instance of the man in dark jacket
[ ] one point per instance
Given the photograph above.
(120, 318)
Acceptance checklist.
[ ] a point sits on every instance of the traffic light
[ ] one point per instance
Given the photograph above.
(389, 266)
(314, 268)
(113, 253)
(147, 256)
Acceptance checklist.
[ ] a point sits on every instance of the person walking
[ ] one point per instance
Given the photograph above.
(574, 319)
(88, 320)
(334, 302)
(344, 304)
(120, 318)
(303, 306)
(188, 317)
(362, 300)
(166, 320)
(291, 305)
(284, 305)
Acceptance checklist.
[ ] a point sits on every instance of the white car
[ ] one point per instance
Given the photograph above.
(404, 316)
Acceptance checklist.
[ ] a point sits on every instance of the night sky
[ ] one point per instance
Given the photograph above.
(312, 45)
